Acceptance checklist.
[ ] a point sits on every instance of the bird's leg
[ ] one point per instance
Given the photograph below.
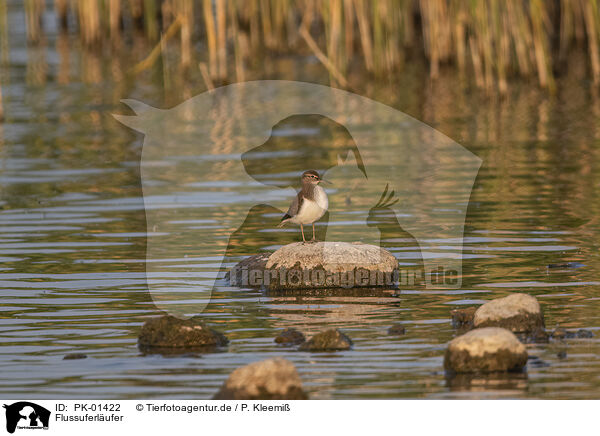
(313, 238)
(302, 230)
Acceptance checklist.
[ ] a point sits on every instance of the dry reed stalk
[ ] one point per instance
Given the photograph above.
(321, 56)
(114, 19)
(4, 46)
(239, 46)
(165, 61)
(254, 20)
(459, 36)
(211, 38)
(521, 36)
(33, 18)
(335, 33)
(61, 10)
(265, 15)
(157, 50)
(89, 21)
(541, 45)
(430, 35)
(136, 7)
(150, 11)
(476, 59)
(407, 22)
(591, 21)
(348, 29)
(206, 76)
(365, 33)
(222, 37)
(186, 14)
(566, 27)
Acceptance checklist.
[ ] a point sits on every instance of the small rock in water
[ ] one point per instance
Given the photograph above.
(328, 340)
(74, 356)
(517, 312)
(170, 332)
(485, 350)
(583, 333)
(539, 336)
(290, 336)
(561, 333)
(397, 330)
(562, 354)
(271, 379)
(463, 318)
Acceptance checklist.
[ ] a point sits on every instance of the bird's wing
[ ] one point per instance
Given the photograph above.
(294, 207)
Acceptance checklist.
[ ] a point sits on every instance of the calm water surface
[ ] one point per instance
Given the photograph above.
(73, 239)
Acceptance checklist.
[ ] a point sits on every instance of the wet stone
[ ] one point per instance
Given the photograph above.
(562, 354)
(328, 340)
(463, 318)
(484, 350)
(562, 333)
(239, 274)
(318, 265)
(169, 332)
(290, 336)
(518, 313)
(583, 333)
(539, 336)
(397, 330)
(271, 379)
(75, 356)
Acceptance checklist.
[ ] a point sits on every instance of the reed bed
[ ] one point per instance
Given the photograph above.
(491, 41)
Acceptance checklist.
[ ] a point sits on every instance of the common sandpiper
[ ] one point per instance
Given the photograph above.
(309, 205)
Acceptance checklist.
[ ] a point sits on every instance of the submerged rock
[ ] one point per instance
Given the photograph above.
(271, 379)
(397, 330)
(485, 350)
(290, 336)
(517, 312)
(328, 340)
(170, 332)
(239, 274)
(318, 265)
(583, 333)
(463, 318)
(74, 356)
(539, 336)
(561, 333)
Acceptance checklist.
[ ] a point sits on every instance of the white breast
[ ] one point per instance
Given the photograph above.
(311, 210)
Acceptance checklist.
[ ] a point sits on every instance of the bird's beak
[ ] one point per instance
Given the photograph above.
(326, 181)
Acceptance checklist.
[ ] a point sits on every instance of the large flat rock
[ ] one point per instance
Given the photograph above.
(318, 265)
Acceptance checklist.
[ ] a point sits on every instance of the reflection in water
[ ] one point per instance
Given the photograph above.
(73, 242)
(510, 384)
